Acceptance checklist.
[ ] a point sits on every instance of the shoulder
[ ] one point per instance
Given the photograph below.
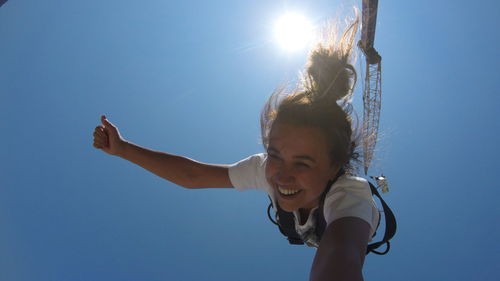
(251, 165)
(350, 196)
(352, 185)
(249, 173)
(348, 180)
(256, 159)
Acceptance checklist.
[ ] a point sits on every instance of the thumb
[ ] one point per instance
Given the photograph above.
(108, 126)
(106, 122)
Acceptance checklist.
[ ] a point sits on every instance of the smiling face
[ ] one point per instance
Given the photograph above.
(298, 166)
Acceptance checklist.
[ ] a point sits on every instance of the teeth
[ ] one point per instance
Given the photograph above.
(288, 191)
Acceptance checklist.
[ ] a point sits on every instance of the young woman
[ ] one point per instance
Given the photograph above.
(307, 165)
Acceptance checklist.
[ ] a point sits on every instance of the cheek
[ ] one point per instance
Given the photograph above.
(273, 170)
(313, 180)
(307, 179)
(270, 170)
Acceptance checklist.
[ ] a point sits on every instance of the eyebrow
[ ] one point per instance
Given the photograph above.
(303, 157)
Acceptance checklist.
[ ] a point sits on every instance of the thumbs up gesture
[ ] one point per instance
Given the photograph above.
(107, 138)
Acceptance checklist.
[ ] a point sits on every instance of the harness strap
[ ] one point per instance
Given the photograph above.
(288, 231)
(286, 222)
(390, 226)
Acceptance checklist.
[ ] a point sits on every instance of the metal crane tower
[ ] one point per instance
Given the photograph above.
(372, 88)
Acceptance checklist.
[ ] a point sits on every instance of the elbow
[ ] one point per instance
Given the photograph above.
(190, 182)
(187, 178)
(193, 176)
(195, 179)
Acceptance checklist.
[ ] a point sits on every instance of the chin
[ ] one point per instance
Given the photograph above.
(288, 206)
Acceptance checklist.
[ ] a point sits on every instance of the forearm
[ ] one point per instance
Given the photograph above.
(341, 253)
(176, 169)
(337, 269)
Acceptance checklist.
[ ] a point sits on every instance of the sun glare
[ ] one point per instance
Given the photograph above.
(293, 32)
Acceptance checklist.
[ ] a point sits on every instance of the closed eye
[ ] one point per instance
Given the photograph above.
(301, 164)
(273, 155)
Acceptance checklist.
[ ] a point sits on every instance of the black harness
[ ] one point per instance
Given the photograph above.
(286, 222)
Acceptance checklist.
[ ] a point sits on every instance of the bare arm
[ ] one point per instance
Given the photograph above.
(341, 253)
(177, 169)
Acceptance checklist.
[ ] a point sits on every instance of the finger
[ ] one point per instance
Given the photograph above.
(100, 133)
(106, 122)
(101, 138)
(100, 144)
(98, 140)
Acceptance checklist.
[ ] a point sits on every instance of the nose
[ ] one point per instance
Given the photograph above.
(284, 176)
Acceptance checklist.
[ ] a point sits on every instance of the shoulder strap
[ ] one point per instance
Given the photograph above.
(286, 223)
(320, 216)
(390, 226)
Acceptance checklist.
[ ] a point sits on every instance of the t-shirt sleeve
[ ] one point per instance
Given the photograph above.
(249, 173)
(351, 197)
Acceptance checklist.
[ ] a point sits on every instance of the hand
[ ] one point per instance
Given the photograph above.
(107, 138)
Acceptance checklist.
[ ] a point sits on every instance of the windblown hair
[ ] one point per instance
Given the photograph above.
(322, 98)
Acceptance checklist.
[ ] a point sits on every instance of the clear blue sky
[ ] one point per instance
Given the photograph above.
(190, 77)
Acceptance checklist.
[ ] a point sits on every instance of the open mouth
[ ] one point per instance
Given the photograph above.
(288, 192)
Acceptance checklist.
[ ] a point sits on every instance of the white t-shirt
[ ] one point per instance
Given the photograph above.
(349, 196)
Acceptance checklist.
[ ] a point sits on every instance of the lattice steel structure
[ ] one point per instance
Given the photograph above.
(372, 90)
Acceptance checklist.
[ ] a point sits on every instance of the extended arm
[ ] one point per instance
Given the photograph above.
(177, 169)
(341, 253)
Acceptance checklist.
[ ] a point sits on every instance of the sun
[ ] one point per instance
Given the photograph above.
(293, 32)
